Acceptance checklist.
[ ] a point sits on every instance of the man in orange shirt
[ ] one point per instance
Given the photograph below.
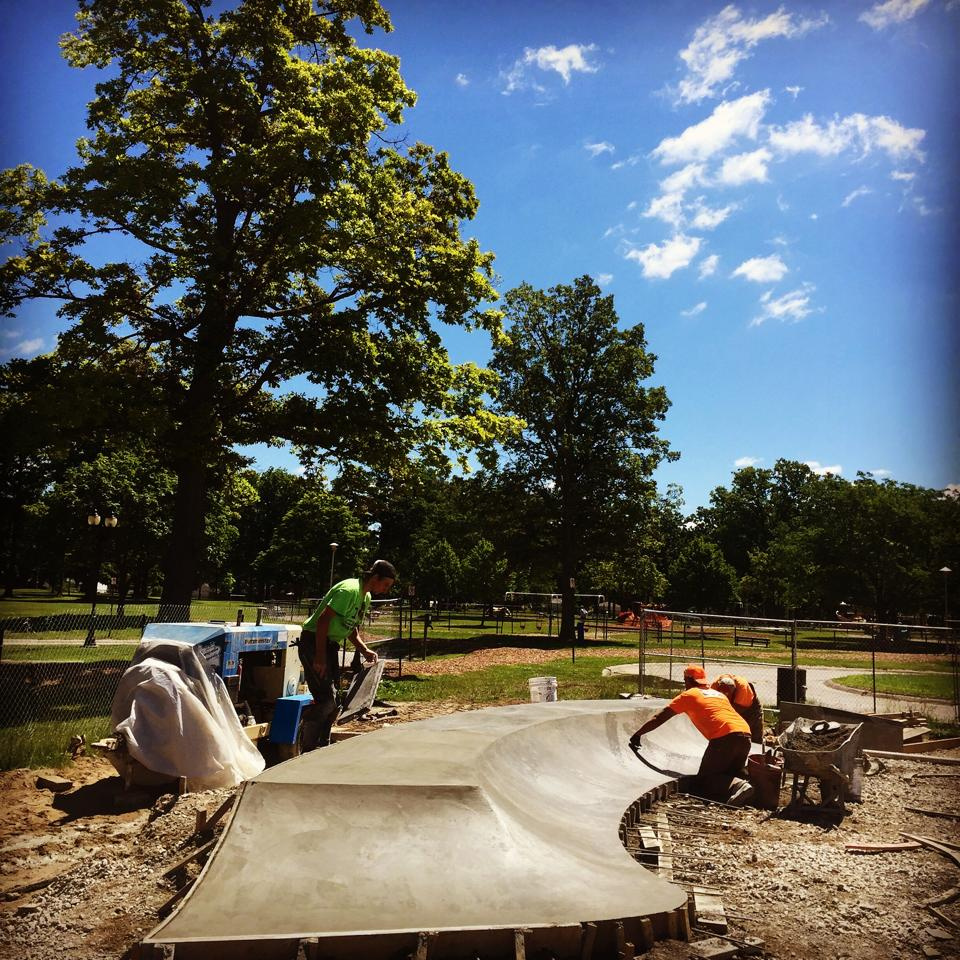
(727, 732)
(743, 697)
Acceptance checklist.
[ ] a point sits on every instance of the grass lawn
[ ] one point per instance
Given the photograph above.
(925, 686)
(508, 683)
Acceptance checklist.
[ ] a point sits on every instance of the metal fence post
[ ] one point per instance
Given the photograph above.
(793, 660)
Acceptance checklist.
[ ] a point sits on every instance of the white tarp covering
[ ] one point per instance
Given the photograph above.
(177, 719)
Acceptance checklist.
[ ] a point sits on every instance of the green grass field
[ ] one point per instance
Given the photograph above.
(937, 686)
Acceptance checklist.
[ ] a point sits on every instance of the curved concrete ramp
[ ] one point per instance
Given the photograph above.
(454, 833)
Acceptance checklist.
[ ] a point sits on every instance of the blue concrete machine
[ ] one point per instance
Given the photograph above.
(261, 669)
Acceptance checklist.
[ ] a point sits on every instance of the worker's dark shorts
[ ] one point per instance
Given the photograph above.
(319, 718)
(726, 755)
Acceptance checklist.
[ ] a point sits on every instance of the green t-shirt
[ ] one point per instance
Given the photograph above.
(349, 604)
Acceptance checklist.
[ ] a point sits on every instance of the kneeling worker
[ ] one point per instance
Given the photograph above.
(743, 696)
(727, 732)
(338, 617)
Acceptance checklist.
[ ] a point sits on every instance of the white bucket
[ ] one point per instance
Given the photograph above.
(542, 689)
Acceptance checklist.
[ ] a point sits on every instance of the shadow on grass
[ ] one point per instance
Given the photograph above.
(438, 646)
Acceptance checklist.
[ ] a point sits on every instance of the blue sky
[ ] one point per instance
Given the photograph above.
(770, 189)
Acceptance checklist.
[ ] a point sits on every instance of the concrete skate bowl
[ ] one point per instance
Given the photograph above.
(490, 833)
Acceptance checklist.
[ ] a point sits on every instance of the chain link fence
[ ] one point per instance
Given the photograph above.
(863, 667)
(59, 670)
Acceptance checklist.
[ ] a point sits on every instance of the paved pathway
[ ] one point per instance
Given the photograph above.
(819, 689)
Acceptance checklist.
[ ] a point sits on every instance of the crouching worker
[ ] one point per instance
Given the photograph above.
(743, 697)
(721, 768)
(337, 618)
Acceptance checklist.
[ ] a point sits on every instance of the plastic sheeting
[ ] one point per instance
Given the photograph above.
(177, 718)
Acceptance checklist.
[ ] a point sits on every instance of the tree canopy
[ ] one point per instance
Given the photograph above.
(590, 440)
(240, 214)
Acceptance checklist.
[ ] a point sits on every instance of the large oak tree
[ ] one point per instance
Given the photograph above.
(590, 443)
(241, 213)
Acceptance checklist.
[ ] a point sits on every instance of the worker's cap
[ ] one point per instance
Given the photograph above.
(383, 569)
(695, 673)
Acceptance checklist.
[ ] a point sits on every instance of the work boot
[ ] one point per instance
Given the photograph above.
(741, 794)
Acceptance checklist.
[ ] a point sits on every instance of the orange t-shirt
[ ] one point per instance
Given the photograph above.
(743, 696)
(710, 712)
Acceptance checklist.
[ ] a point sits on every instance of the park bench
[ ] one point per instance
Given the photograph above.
(753, 639)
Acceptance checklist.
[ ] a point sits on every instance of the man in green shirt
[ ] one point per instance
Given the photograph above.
(337, 618)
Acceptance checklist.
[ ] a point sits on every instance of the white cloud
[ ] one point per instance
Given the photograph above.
(817, 467)
(694, 311)
(952, 490)
(730, 121)
(881, 472)
(722, 41)
(881, 15)
(631, 161)
(793, 91)
(660, 261)
(683, 179)
(709, 218)
(25, 348)
(461, 80)
(595, 149)
(744, 168)
(854, 195)
(667, 207)
(708, 266)
(742, 462)
(903, 175)
(762, 269)
(858, 132)
(604, 279)
(793, 306)
(573, 58)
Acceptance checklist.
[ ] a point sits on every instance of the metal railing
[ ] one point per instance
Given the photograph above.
(838, 664)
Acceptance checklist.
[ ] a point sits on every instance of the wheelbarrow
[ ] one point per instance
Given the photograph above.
(822, 750)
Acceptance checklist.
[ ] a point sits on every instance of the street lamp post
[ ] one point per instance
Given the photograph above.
(946, 571)
(333, 553)
(93, 522)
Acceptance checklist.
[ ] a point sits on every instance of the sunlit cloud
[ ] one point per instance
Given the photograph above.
(708, 266)
(709, 218)
(882, 15)
(729, 122)
(762, 269)
(791, 307)
(693, 174)
(821, 470)
(604, 279)
(574, 58)
(880, 472)
(856, 132)
(667, 207)
(721, 42)
(854, 195)
(461, 80)
(904, 176)
(793, 91)
(596, 149)
(660, 261)
(25, 348)
(694, 311)
(742, 462)
(745, 168)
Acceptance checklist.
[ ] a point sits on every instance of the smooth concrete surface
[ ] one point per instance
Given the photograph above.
(506, 817)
